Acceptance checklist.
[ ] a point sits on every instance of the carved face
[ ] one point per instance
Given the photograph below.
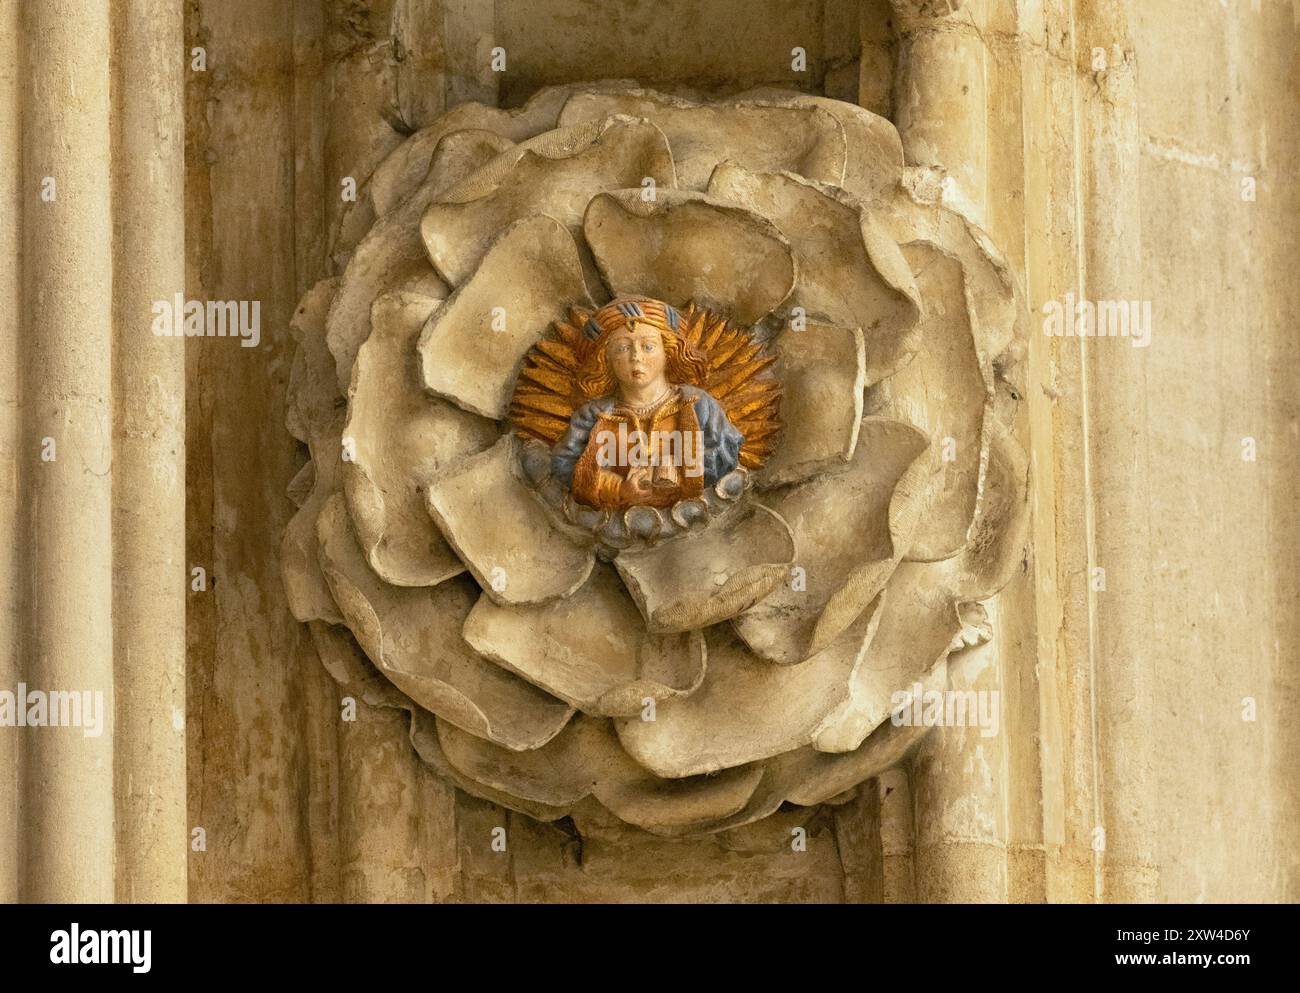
(636, 357)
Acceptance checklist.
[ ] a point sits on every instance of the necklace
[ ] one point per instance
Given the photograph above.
(642, 409)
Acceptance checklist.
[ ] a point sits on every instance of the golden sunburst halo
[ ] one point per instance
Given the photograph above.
(739, 376)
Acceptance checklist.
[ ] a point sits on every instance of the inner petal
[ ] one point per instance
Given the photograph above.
(495, 523)
(680, 246)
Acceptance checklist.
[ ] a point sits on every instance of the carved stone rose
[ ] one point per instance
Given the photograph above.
(685, 647)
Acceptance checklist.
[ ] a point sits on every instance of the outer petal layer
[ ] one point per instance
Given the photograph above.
(308, 594)
(944, 392)
(587, 760)
(806, 140)
(850, 271)
(413, 636)
(921, 615)
(822, 369)
(555, 174)
(875, 150)
(397, 439)
(850, 527)
(392, 256)
(748, 709)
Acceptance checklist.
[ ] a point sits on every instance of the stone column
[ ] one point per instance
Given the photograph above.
(940, 94)
(959, 784)
(958, 779)
(93, 418)
(1112, 383)
(897, 832)
(67, 448)
(149, 452)
(11, 437)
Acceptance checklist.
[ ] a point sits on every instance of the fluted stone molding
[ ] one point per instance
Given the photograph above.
(958, 848)
(150, 585)
(67, 293)
(896, 837)
(98, 451)
(1119, 624)
(11, 435)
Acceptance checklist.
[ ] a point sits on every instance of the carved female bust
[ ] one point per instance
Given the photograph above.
(649, 438)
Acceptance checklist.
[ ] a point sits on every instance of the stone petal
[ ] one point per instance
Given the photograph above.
(586, 759)
(308, 594)
(945, 392)
(806, 776)
(398, 440)
(424, 737)
(554, 174)
(313, 388)
(462, 153)
(413, 636)
(748, 709)
(590, 649)
(559, 774)
(851, 527)
(345, 660)
(875, 150)
(822, 369)
(815, 777)
(702, 579)
(921, 616)
(686, 246)
(804, 140)
(1001, 529)
(674, 807)
(533, 274)
(502, 532)
(850, 271)
(989, 286)
(918, 620)
(392, 255)
(402, 171)
(450, 147)
(311, 416)
(347, 663)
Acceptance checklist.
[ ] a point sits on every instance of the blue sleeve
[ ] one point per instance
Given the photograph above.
(567, 451)
(721, 439)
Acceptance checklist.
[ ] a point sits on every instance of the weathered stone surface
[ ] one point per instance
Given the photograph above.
(850, 529)
(1112, 184)
(495, 523)
(805, 140)
(556, 174)
(822, 370)
(471, 350)
(698, 580)
(590, 648)
(851, 271)
(748, 709)
(413, 636)
(685, 246)
(396, 440)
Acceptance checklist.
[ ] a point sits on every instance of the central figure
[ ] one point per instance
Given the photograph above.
(652, 435)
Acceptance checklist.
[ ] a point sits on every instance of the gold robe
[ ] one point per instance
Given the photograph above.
(670, 454)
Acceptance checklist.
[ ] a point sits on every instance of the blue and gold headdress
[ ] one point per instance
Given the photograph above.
(625, 313)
